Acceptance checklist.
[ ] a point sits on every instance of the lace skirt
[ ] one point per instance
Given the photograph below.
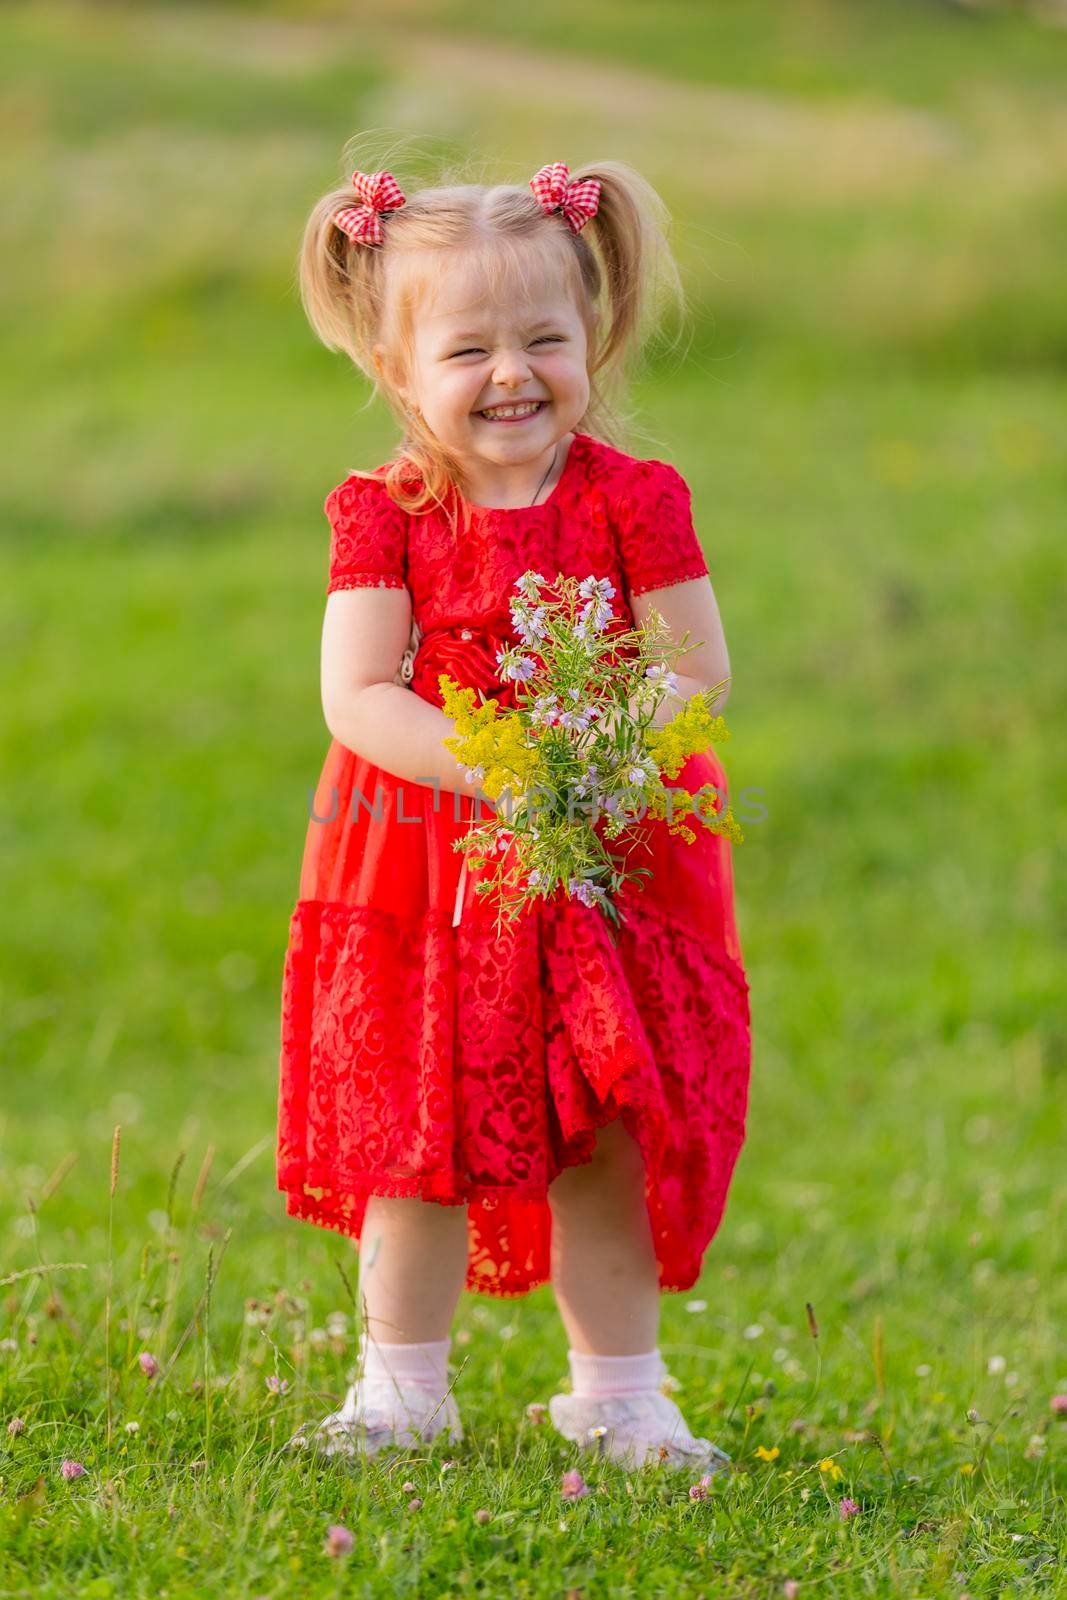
(424, 1054)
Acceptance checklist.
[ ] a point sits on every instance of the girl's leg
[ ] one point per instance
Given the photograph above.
(604, 1270)
(412, 1263)
(606, 1279)
(413, 1260)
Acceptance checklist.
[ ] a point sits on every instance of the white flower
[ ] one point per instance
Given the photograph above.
(996, 1364)
(545, 709)
(662, 677)
(517, 668)
(531, 628)
(603, 587)
(588, 893)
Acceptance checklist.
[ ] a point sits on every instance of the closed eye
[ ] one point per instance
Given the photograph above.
(475, 350)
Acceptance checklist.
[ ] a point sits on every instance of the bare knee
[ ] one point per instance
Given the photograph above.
(616, 1169)
(410, 1214)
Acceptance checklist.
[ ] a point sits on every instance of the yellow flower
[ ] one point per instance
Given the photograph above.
(691, 731)
(490, 738)
(828, 1464)
(459, 703)
(765, 1454)
(725, 824)
(967, 1466)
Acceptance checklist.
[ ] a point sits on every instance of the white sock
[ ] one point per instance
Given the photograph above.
(593, 1376)
(424, 1364)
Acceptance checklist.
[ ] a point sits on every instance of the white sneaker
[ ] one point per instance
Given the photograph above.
(375, 1416)
(638, 1429)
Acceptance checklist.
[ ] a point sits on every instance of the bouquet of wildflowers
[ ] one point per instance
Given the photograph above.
(582, 752)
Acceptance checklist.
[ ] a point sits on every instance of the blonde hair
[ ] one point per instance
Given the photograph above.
(619, 272)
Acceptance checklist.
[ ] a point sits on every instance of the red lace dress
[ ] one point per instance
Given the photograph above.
(421, 1055)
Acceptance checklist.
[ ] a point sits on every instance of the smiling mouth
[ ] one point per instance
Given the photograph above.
(517, 411)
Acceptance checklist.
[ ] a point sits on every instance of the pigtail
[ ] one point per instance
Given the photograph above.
(637, 280)
(340, 282)
(641, 276)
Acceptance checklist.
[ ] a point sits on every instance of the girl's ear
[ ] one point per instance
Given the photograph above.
(381, 365)
(386, 376)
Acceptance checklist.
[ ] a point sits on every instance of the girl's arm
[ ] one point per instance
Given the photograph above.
(690, 605)
(672, 702)
(364, 635)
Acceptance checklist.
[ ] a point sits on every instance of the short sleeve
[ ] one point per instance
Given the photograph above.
(658, 543)
(368, 536)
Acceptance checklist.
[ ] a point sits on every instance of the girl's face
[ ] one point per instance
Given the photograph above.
(471, 356)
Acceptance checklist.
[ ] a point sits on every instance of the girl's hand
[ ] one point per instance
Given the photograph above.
(667, 706)
(609, 723)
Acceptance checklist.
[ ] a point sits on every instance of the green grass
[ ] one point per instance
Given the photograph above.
(869, 409)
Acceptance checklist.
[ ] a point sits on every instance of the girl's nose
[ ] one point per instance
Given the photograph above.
(511, 368)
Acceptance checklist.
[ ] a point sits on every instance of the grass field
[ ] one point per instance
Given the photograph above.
(870, 209)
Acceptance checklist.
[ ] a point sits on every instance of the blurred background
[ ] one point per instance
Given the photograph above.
(870, 215)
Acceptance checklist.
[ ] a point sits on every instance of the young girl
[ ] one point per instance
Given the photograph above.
(483, 1110)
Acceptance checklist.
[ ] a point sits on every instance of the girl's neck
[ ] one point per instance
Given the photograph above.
(501, 496)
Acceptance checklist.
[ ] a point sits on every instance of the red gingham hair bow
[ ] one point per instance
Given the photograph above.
(578, 201)
(379, 192)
